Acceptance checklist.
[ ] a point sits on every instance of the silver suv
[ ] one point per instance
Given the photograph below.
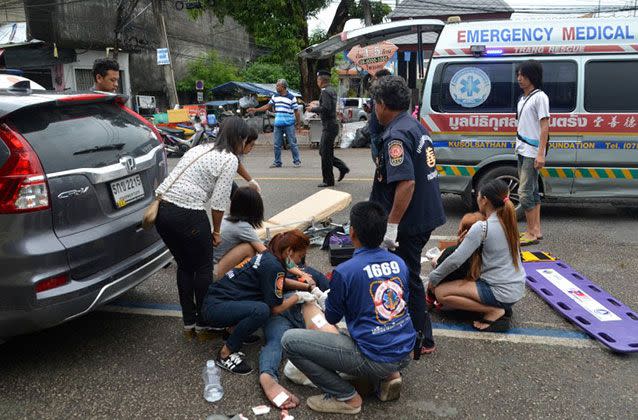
(76, 173)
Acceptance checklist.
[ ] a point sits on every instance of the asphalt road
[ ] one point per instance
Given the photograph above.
(131, 359)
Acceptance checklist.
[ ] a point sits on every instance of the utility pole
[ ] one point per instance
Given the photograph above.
(367, 12)
(169, 75)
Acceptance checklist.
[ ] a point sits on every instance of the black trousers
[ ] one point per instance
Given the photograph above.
(410, 248)
(327, 152)
(188, 236)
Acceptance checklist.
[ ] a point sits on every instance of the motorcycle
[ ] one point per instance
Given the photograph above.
(176, 146)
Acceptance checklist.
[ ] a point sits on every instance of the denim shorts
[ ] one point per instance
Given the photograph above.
(487, 297)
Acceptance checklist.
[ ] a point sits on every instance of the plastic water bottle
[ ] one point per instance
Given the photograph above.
(213, 390)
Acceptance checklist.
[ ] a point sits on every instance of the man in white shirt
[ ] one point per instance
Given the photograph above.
(532, 137)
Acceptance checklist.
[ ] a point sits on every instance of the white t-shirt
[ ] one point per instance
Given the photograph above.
(209, 178)
(536, 108)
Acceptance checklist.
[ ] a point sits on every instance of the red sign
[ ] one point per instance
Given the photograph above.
(196, 110)
(373, 57)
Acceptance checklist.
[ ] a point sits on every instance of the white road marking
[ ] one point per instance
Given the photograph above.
(516, 338)
(439, 332)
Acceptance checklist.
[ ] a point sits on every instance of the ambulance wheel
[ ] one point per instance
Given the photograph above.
(509, 175)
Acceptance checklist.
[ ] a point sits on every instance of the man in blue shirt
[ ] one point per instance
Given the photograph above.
(406, 184)
(287, 118)
(371, 292)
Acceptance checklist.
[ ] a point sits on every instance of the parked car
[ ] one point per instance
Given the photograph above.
(352, 109)
(77, 171)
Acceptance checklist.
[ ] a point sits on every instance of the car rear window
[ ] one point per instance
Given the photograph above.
(83, 136)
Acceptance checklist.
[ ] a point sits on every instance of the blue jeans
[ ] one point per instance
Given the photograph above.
(246, 315)
(487, 296)
(320, 355)
(271, 352)
(528, 193)
(292, 141)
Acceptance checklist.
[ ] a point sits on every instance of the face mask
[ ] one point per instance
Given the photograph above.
(290, 264)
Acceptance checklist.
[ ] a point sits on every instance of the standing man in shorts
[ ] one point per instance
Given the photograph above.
(532, 137)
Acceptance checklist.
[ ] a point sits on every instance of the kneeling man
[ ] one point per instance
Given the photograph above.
(371, 292)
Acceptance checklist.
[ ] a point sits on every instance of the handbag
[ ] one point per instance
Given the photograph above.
(150, 215)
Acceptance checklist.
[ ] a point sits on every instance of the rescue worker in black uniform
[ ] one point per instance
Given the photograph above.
(406, 184)
(327, 108)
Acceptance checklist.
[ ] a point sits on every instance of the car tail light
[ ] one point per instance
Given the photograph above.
(23, 186)
(51, 283)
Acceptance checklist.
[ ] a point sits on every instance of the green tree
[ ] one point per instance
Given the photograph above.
(282, 26)
(209, 68)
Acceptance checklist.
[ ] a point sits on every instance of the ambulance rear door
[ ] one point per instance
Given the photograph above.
(607, 158)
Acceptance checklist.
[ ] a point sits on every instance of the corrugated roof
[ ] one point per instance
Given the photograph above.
(425, 8)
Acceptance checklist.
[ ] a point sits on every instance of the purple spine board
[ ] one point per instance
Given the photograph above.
(615, 325)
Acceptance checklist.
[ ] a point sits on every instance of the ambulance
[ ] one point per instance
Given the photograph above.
(590, 74)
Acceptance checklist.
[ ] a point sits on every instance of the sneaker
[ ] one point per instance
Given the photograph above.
(207, 329)
(328, 404)
(295, 375)
(297, 165)
(390, 390)
(274, 165)
(234, 363)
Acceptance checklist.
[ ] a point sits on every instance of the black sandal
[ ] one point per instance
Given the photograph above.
(499, 325)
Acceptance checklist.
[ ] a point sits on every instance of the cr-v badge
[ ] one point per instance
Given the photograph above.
(72, 193)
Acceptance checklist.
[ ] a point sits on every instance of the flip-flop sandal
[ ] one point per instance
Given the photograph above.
(525, 233)
(500, 325)
(527, 241)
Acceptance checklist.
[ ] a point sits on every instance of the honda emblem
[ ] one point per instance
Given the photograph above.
(128, 162)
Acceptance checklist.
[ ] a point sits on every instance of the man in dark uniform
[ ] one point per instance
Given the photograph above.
(406, 185)
(327, 108)
(374, 127)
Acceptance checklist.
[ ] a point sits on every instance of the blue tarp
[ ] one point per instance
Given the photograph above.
(238, 89)
(221, 103)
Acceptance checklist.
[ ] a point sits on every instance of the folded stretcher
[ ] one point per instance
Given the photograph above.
(316, 208)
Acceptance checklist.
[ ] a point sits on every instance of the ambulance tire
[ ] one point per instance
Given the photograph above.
(509, 175)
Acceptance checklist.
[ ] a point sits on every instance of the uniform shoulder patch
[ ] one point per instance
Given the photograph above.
(279, 285)
(430, 157)
(395, 152)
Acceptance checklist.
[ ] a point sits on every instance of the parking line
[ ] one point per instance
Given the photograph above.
(518, 335)
(296, 178)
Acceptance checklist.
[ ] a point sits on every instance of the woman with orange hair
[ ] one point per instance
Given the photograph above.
(246, 296)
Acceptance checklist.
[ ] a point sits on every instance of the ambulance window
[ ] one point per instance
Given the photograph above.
(611, 86)
(560, 85)
(474, 87)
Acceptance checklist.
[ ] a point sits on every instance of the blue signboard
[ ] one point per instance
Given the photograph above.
(163, 58)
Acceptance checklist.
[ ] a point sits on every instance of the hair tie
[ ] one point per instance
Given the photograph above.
(506, 199)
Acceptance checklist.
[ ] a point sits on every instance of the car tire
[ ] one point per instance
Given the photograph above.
(361, 119)
(509, 175)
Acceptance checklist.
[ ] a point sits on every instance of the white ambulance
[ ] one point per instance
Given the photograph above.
(590, 73)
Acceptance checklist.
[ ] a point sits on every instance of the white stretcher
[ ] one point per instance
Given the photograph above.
(316, 208)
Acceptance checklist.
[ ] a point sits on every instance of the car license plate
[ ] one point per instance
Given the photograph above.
(127, 190)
